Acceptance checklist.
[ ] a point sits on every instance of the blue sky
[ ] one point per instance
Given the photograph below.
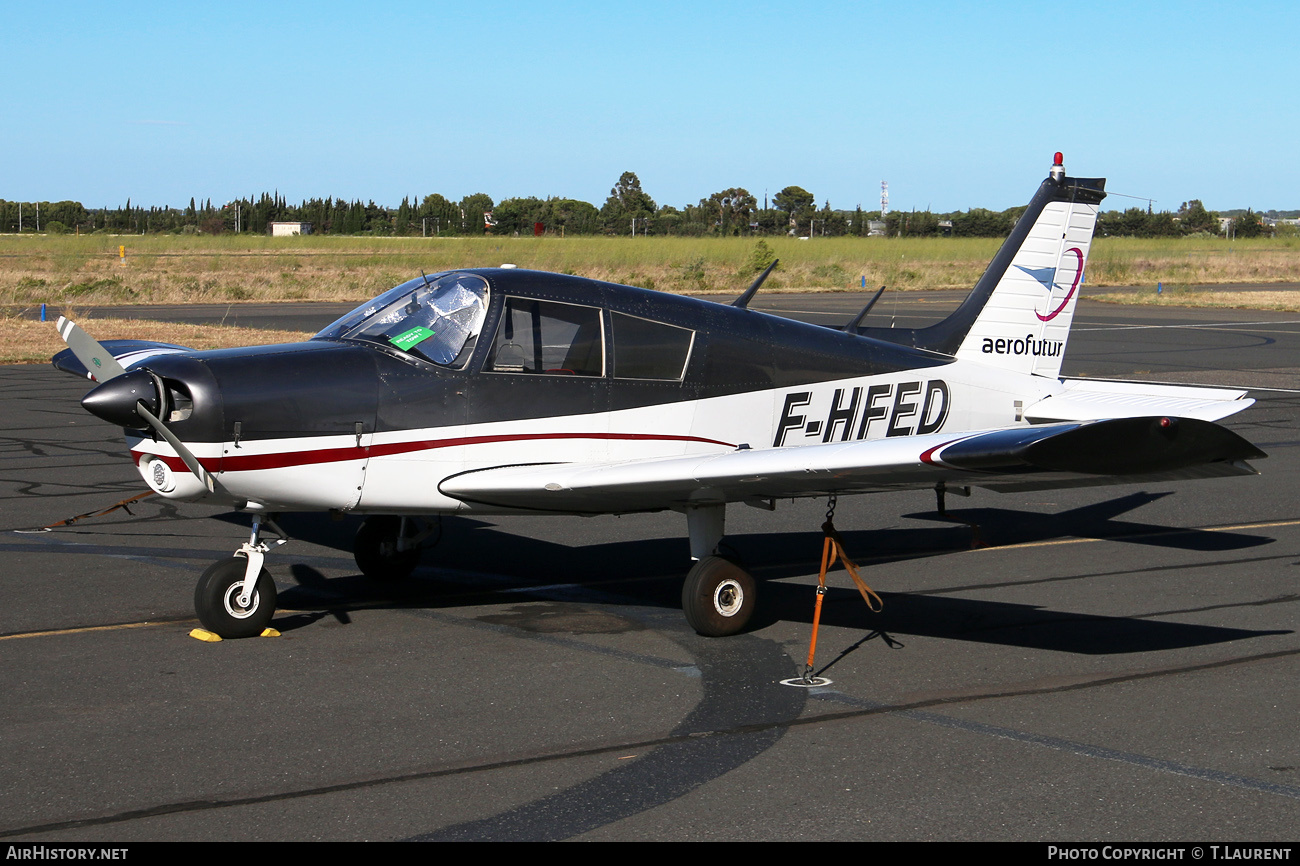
(957, 105)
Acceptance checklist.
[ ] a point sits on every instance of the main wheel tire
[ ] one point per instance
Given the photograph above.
(376, 553)
(216, 600)
(718, 597)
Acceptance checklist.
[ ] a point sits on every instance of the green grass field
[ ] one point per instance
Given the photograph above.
(86, 270)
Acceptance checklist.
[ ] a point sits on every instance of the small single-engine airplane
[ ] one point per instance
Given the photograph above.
(501, 391)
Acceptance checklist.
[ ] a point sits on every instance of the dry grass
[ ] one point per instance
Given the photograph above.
(195, 269)
(189, 269)
(27, 342)
(1194, 297)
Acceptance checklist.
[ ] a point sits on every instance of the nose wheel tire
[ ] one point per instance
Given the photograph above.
(376, 553)
(216, 600)
(718, 597)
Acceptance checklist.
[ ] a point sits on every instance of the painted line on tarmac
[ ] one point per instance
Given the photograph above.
(149, 623)
(1226, 326)
(839, 314)
(88, 628)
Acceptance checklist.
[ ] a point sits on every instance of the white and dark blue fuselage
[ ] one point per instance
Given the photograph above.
(360, 425)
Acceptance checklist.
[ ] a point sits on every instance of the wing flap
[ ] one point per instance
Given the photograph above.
(1059, 455)
(1088, 399)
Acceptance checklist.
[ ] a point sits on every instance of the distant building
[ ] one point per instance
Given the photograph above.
(285, 229)
(875, 228)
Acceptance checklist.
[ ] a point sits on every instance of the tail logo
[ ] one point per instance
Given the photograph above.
(1047, 276)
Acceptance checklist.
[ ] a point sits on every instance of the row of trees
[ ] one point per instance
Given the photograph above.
(628, 210)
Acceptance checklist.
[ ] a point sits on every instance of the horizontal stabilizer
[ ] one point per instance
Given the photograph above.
(1058, 455)
(1085, 399)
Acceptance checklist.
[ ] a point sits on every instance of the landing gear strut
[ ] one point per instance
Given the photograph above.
(235, 597)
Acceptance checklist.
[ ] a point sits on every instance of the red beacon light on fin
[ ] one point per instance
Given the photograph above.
(1058, 168)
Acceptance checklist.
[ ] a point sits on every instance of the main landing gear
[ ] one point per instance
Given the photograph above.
(388, 548)
(235, 597)
(718, 596)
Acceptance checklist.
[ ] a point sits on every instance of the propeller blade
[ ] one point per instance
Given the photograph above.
(191, 462)
(100, 363)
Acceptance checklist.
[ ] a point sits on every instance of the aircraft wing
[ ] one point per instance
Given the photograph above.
(1112, 451)
(1086, 399)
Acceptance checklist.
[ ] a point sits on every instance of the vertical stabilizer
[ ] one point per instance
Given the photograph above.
(1018, 315)
(1025, 323)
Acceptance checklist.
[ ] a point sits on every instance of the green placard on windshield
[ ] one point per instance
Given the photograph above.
(407, 339)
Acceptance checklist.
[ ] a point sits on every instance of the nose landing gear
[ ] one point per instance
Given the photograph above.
(236, 597)
(218, 604)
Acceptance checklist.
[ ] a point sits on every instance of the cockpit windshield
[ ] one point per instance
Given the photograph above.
(437, 319)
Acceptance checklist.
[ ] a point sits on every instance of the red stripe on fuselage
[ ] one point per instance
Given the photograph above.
(283, 459)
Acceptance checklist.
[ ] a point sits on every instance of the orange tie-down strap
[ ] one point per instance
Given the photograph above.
(101, 512)
(832, 549)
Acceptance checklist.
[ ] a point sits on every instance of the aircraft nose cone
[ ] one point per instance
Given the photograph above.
(115, 400)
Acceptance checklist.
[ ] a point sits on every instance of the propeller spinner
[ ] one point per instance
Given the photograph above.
(137, 400)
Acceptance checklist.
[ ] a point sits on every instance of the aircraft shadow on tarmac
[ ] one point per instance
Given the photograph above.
(477, 564)
(998, 527)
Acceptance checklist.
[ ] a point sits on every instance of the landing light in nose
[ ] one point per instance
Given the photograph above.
(158, 474)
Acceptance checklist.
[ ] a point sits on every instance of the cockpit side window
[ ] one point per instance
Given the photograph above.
(548, 337)
(649, 350)
(438, 320)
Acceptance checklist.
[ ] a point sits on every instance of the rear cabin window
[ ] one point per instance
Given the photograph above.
(548, 337)
(649, 350)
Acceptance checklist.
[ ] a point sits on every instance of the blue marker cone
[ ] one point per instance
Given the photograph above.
(1160, 288)
(42, 312)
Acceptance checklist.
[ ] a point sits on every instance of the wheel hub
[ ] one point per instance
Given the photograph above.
(729, 597)
(232, 605)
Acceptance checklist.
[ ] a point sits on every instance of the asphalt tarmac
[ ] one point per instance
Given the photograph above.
(1110, 664)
